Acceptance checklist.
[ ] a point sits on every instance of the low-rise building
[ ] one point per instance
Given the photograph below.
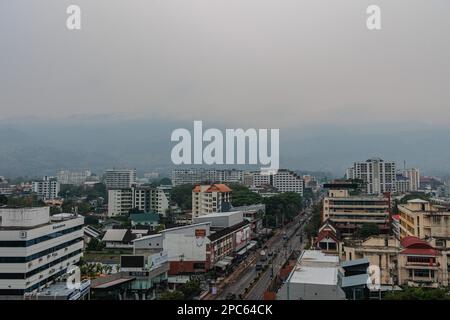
(381, 251)
(328, 239)
(424, 220)
(199, 247)
(421, 264)
(409, 262)
(314, 277)
(144, 219)
(255, 214)
(349, 212)
(122, 238)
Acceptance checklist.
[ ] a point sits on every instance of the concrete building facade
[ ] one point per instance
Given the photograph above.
(36, 248)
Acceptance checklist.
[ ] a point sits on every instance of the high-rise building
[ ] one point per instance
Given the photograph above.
(378, 175)
(210, 198)
(120, 201)
(36, 248)
(47, 188)
(142, 198)
(413, 174)
(195, 176)
(284, 181)
(73, 177)
(120, 178)
(402, 184)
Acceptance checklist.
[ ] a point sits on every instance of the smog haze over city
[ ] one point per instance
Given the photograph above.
(111, 93)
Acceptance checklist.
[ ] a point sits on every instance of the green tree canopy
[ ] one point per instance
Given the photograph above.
(242, 196)
(191, 289)
(284, 206)
(418, 293)
(171, 295)
(182, 196)
(367, 230)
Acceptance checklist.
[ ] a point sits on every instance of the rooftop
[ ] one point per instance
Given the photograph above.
(315, 275)
(315, 267)
(417, 201)
(219, 214)
(114, 235)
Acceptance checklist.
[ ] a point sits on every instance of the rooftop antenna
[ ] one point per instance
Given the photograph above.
(404, 164)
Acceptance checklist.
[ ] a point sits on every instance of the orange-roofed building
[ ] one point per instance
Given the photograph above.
(210, 198)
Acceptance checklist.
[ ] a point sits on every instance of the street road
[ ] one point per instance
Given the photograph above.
(246, 273)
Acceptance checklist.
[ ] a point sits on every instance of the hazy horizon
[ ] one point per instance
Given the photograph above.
(111, 93)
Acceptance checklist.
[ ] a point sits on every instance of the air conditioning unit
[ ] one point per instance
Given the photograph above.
(23, 234)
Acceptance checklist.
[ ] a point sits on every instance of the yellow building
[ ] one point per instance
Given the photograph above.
(381, 251)
(420, 218)
(348, 212)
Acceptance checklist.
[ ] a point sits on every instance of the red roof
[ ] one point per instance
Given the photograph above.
(414, 245)
(218, 187)
(326, 234)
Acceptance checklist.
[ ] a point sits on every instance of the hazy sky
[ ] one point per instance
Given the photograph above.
(273, 63)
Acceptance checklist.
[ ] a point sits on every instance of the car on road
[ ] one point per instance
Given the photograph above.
(258, 267)
(230, 296)
(270, 254)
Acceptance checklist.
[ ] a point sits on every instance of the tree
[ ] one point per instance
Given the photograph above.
(95, 245)
(242, 196)
(367, 230)
(91, 220)
(171, 295)
(414, 195)
(3, 199)
(284, 206)
(312, 228)
(27, 201)
(182, 196)
(418, 293)
(191, 289)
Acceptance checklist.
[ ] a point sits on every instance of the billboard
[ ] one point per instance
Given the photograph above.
(242, 236)
(131, 261)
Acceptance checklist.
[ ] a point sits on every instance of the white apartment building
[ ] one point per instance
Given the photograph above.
(149, 199)
(120, 201)
(210, 198)
(378, 175)
(36, 248)
(47, 188)
(73, 177)
(413, 174)
(120, 178)
(402, 184)
(195, 176)
(284, 180)
(144, 198)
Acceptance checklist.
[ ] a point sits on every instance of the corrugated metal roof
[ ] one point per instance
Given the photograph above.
(350, 263)
(356, 280)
